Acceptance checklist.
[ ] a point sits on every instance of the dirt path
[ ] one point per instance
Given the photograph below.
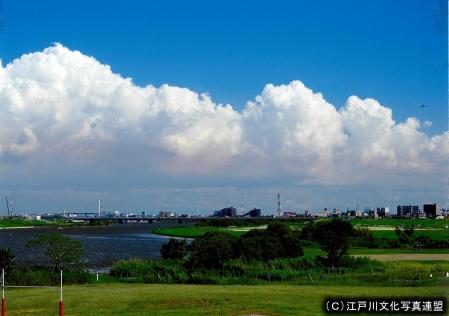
(408, 256)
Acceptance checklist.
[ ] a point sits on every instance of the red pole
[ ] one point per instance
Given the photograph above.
(61, 308)
(3, 294)
(61, 304)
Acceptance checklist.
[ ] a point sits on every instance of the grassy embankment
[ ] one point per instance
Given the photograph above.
(388, 232)
(157, 299)
(196, 231)
(393, 222)
(380, 228)
(295, 271)
(18, 222)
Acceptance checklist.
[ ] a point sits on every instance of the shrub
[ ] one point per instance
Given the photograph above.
(211, 250)
(364, 238)
(45, 276)
(174, 249)
(277, 241)
(334, 238)
(6, 259)
(405, 234)
(62, 251)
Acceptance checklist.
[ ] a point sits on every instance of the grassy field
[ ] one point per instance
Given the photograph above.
(192, 232)
(436, 234)
(18, 222)
(189, 300)
(420, 257)
(416, 222)
(382, 251)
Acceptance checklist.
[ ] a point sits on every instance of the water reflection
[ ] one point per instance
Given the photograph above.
(102, 245)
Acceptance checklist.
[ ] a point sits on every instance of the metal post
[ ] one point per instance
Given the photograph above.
(61, 304)
(3, 294)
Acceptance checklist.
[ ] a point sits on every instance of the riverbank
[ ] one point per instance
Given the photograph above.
(377, 232)
(193, 300)
(10, 223)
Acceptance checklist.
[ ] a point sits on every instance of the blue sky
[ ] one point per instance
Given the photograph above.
(392, 51)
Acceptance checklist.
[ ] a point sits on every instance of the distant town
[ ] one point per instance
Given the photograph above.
(428, 210)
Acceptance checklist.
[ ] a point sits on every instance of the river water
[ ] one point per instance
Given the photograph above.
(102, 244)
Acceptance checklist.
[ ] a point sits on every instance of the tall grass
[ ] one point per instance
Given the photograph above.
(39, 276)
(358, 271)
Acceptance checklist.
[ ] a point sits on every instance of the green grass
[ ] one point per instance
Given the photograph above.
(442, 234)
(190, 300)
(381, 251)
(311, 253)
(436, 228)
(192, 232)
(423, 222)
(19, 222)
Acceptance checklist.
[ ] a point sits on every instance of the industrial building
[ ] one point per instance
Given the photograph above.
(431, 210)
(256, 212)
(383, 211)
(408, 211)
(226, 212)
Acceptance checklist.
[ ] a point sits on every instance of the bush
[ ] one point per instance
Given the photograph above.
(6, 259)
(174, 249)
(364, 238)
(211, 250)
(277, 241)
(258, 245)
(45, 276)
(405, 235)
(292, 263)
(426, 242)
(149, 271)
(62, 251)
(361, 263)
(334, 237)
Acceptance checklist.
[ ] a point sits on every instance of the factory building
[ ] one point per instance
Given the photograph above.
(256, 212)
(431, 210)
(226, 212)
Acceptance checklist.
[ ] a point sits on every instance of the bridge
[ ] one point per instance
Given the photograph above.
(134, 219)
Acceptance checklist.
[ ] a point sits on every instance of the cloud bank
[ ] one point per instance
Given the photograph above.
(65, 116)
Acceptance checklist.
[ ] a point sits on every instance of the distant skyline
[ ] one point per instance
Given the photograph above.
(188, 105)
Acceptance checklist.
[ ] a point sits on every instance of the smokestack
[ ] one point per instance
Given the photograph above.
(99, 208)
(279, 205)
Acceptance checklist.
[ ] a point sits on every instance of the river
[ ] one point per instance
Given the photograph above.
(102, 244)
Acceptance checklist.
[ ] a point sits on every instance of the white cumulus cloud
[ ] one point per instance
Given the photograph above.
(60, 107)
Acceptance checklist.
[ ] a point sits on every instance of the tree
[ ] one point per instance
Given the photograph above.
(334, 237)
(174, 249)
(6, 259)
(277, 241)
(212, 249)
(257, 245)
(363, 237)
(405, 234)
(289, 239)
(62, 251)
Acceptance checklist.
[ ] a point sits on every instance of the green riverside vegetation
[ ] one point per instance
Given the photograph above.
(19, 222)
(232, 269)
(192, 300)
